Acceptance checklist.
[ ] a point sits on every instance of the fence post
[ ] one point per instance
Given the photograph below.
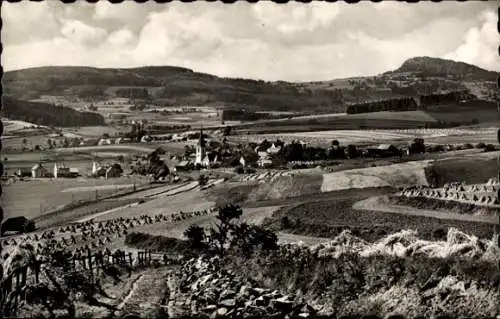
(24, 274)
(130, 258)
(90, 265)
(149, 262)
(37, 270)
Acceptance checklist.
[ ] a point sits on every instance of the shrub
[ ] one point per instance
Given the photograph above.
(480, 145)
(468, 146)
(195, 235)
(239, 169)
(489, 148)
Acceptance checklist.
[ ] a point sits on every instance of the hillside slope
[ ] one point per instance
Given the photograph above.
(47, 114)
(166, 85)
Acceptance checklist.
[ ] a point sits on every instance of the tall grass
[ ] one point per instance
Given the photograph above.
(354, 282)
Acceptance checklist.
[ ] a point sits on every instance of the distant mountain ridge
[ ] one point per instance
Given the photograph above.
(442, 67)
(170, 85)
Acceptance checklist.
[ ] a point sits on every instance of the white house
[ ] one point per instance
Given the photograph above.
(242, 161)
(104, 141)
(38, 171)
(273, 149)
(264, 159)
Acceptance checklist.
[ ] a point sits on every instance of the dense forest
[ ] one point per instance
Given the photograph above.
(47, 114)
(404, 104)
(452, 97)
(245, 115)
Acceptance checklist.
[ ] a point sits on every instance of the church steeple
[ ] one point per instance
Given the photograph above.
(201, 141)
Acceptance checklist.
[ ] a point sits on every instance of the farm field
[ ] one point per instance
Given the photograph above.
(410, 173)
(376, 120)
(35, 197)
(445, 136)
(96, 131)
(250, 215)
(328, 218)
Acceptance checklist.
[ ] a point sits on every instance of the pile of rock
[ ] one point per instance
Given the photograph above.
(203, 290)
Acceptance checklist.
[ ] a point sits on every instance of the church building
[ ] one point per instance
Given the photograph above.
(201, 159)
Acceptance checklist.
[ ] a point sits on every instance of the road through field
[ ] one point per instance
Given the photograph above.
(378, 204)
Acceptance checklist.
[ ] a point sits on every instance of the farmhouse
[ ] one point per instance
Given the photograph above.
(108, 171)
(114, 170)
(146, 139)
(383, 150)
(23, 172)
(38, 171)
(273, 149)
(183, 166)
(63, 171)
(264, 160)
(104, 141)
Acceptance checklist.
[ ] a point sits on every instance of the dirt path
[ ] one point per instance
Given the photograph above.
(378, 204)
(146, 294)
(135, 284)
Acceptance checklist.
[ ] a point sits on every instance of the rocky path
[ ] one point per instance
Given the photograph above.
(146, 294)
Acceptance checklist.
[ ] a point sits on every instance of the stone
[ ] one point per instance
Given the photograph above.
(210, 308)
(260, 291)
(244, 291)
(282, 304)
(261, 301)
(228, 294)
(222, 311)
(228, 302)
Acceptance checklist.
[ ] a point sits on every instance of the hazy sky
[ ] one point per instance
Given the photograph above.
(294, 42)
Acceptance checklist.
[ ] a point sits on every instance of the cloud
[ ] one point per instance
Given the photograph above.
(121, 37)
(480, 44)
(81, 33)
(295, 42)
(295, 17)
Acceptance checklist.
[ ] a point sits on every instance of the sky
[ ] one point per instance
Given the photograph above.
(268, 41)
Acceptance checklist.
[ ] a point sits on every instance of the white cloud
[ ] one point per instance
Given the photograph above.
(296, 42)
(303, 17)
(480, 44)
(120, 37)
(81, 33)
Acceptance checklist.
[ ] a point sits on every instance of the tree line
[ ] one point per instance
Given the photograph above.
(403, 104)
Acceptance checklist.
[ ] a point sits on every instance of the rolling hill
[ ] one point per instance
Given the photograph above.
(167, 85)
(429, 67)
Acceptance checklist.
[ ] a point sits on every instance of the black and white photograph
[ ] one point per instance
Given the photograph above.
(250, 160)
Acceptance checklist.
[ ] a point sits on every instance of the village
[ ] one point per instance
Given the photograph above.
(295, 161)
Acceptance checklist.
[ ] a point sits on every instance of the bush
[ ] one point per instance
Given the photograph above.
(480, 145)
(239, 169)
(250, 170)
(195, 235)
(468, 146)
(489, 148)
(202, 180)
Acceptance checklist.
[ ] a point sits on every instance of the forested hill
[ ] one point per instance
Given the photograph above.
(47, 114)
(427, 66)
(166, 85)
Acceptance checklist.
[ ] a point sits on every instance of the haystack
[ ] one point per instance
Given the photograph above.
(20, 256)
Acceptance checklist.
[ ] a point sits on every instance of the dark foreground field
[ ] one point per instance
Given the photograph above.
(444, 206)
(329, 217)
